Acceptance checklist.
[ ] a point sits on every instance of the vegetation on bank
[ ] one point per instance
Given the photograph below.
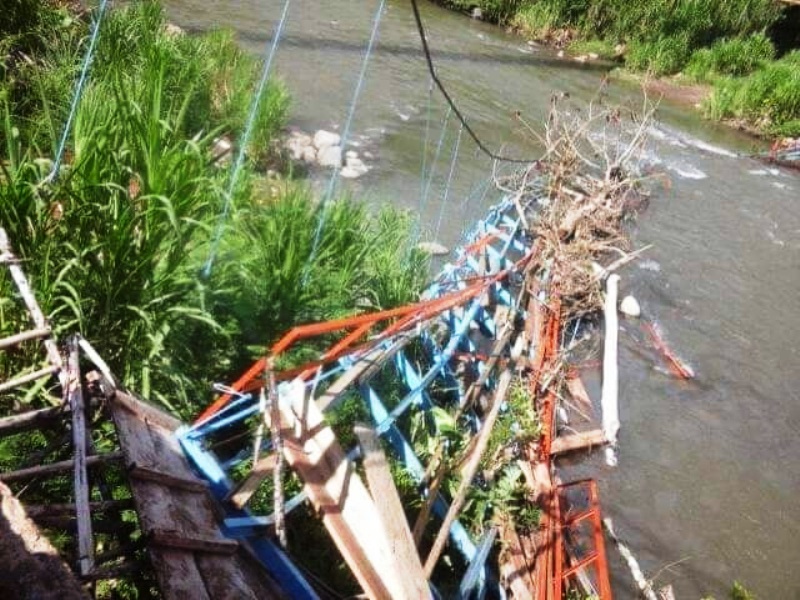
(735, 46)
(115, 247)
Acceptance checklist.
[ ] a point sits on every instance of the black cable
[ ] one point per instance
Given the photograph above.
(440, 85)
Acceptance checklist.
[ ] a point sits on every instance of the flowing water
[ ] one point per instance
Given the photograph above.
(708, 481)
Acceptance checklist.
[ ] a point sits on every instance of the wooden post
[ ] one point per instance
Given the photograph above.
(81, 475)
(610, 400)
(390, 510)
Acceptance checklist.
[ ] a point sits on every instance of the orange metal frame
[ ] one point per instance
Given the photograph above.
(358, 326)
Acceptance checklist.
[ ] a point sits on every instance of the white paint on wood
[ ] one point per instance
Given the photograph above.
(610, 393)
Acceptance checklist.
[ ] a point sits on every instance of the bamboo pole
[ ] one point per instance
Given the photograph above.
(57, 467)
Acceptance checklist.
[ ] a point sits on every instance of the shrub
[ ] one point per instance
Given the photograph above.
(737, 56)
(662, 57)
(770, 97)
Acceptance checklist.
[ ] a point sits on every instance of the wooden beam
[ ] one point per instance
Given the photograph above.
(470, 470)
(171, 481)
(577, 441)
(392, 515)
(27, 378)
(74, 397)
(338, 494)
(242, 494)
(15, 340)
(30, 420)
(58, 467)
(172, 539)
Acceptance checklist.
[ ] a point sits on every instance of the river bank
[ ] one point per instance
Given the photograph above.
(739, 68)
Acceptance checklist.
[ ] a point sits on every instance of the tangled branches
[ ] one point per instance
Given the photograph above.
(576, 197)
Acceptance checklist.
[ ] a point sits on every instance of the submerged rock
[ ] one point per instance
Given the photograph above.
(323, 139)
(330, 156)
(433, 248)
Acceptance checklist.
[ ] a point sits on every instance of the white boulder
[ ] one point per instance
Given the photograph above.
(630, 307)
(329, 156)
(323, 139)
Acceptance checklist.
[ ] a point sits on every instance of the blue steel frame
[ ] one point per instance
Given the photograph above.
(507, 245)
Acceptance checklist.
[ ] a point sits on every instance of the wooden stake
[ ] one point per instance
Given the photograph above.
(277, 472)
(25, 292)
(74, 398)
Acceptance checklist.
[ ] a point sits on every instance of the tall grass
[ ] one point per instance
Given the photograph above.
(735, 56)
(115, 247)
(769, 97)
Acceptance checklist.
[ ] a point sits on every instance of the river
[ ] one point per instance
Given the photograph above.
(707, 487)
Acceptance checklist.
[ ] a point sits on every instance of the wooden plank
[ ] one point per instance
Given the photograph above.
(242, 494)
(74, 397)
(17, 274)
(15, 340)
(30, 420)
(339, 495)
(471, 468)
(165, 479)
(30, 567)
(577, 441)
(176, 571)
(58, 467)
(172, 539)
(392, 515)
(28, 378)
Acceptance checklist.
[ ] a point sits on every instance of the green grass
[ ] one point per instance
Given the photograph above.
(735, 57)
(114, 249)
(768, 97)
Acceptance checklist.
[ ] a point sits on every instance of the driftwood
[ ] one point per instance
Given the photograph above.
(577, 441)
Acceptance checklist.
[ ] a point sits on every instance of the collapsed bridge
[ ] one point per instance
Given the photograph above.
(215, 500)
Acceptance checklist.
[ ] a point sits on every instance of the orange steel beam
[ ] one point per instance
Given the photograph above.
(411, 314)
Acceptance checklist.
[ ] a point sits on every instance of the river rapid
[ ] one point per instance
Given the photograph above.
(707, 487)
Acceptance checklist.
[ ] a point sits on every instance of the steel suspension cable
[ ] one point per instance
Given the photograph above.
(345, 135)
(248, 131)
(77, 94)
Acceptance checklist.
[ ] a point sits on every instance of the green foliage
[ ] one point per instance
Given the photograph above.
(737, 56)
(659, 57)
(602, 48)
(769, 97)
(496, 11)
(739, 592)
